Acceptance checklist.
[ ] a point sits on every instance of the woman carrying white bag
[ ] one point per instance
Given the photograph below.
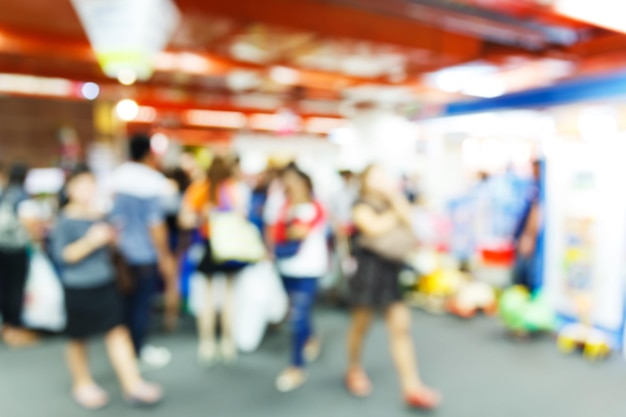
(218, 207)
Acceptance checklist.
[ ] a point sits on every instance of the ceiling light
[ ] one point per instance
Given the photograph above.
(90, 91)
(212, 118)
(127, 110)
(127, 76)
(604, 13)
(159, 143)
(284, 75)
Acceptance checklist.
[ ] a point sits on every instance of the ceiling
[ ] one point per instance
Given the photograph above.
(315, 54)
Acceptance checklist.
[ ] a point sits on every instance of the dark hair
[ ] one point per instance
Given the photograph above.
(220, 170)
(139, 147)
(17, 174)
(80, 169)
(294, 169)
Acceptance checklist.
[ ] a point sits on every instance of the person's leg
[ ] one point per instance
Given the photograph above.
(398, 318)
(206, 320)
(361, 319)
(302, 298)
(84, 389)
(228, 347)
(357, 381)
(14, 273)
(78, 364)
(122, 355)
(138, 304)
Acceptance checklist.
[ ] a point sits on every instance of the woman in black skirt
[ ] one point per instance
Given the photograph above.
(381, 210)
(81, 244)
(221, 192)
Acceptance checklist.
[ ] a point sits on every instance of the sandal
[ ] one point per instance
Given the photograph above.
(91, 397)
(207, 353)
(145, 395)
(312, 350)
(228, 351)
(425, 399)
(290, 380)
(358, 383)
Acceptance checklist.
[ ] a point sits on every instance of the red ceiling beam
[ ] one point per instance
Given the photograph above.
(337, 21)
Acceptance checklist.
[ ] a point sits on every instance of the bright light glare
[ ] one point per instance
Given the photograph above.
(342, 136)
(127, 110)
(597, 124)
(606, 13)
(159, 143)
(485, 88)
(323, 124)
(225, 119)
(284, 75)
(90, 91)
(127, 76)
(476, 79)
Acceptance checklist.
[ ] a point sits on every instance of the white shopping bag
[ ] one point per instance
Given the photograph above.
(260, 299)
(44, 300)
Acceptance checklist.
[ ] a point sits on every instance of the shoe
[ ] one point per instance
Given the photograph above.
(290, 380)
(358, 383)
(144, 395)
(207, 353)
(228, 351)
(312, 350)
(425, 399)
(153, 357)
(91, 397)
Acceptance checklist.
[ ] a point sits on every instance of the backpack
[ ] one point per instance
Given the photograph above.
(12, 233)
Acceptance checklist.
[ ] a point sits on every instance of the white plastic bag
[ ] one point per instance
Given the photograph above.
(44, 300)
(260, 299)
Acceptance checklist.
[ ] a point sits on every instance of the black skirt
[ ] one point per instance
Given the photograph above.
(209, 267)
(376, 282)
(92, 311)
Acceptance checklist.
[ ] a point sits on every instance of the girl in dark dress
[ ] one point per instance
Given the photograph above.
(380, 210)
(81, 244)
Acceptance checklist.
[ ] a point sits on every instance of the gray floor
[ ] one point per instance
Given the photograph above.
(479, 370)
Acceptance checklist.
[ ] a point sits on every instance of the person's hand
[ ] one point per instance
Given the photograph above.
(172, 308)
(168, 269)
(100, 234)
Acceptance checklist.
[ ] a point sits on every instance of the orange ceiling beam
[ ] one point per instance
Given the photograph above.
(337, 21)
(61, 50)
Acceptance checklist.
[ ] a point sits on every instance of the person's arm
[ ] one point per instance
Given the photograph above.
(97, 236)
(166, 262)
(402, 207)
(528, 239)
(373, 224)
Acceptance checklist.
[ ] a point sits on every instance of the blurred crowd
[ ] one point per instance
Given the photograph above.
(93, 260)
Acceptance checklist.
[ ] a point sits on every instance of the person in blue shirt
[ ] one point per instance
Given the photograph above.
(527, 234)
(139, 216)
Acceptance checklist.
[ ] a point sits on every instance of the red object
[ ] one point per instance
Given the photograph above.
(498, 256)
(283, 223)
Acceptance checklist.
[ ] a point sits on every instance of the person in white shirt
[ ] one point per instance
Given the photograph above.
(302, 258)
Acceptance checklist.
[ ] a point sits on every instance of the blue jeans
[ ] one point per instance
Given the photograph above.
(138, 303)
(302, 292)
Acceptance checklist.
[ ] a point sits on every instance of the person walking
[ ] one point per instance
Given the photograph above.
(14, 260)
(381, 213)
(81, 245)
(221, 193)
(302, 259)
(139, 218)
